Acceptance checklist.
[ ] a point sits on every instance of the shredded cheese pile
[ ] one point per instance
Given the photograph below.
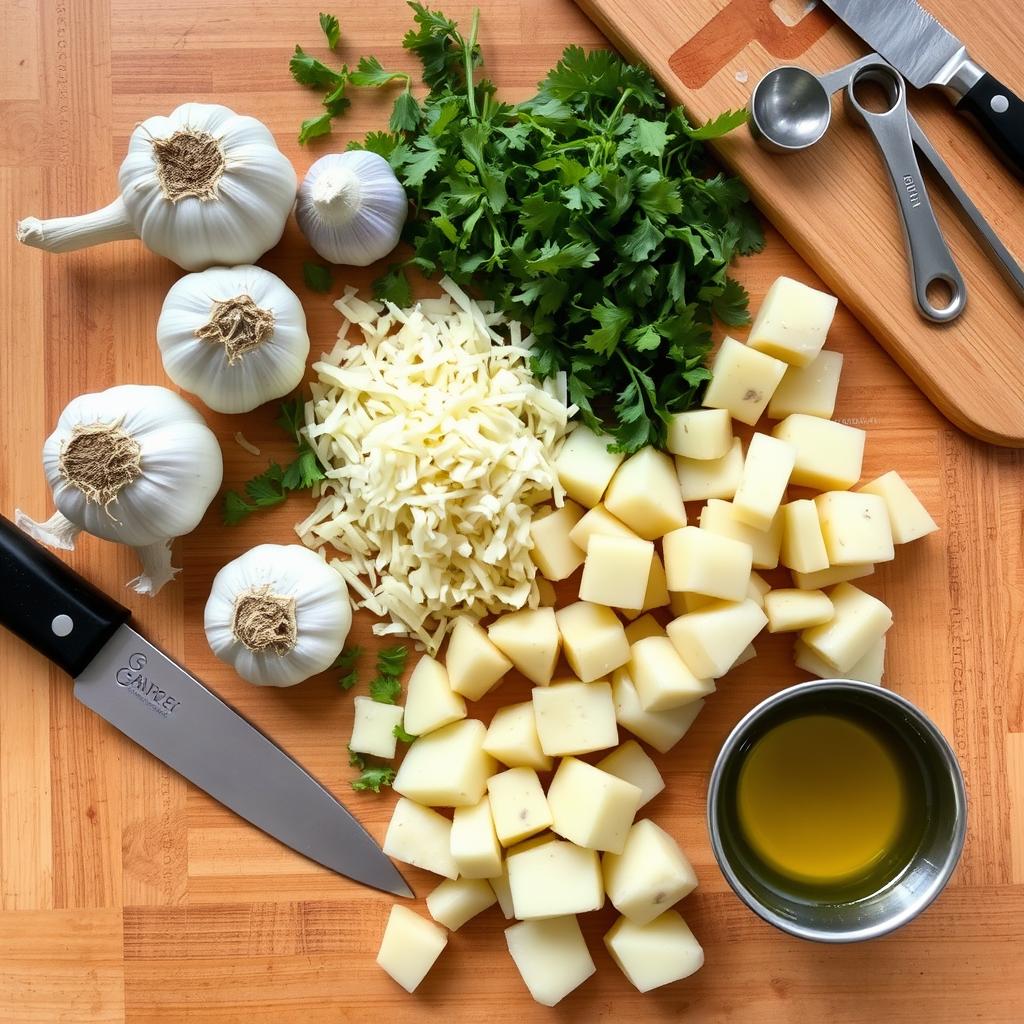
(438, 445)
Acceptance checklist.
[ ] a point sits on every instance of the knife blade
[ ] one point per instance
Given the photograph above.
(928, 54)
(138, 689)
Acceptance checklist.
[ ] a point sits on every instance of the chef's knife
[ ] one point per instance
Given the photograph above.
(925, 53)
(140, 691)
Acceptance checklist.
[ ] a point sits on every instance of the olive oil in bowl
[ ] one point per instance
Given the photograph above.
(830, 803)
(836, 810)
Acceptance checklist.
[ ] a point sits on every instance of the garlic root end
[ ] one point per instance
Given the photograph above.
(57, 532)
(66, 234)
(157, 570)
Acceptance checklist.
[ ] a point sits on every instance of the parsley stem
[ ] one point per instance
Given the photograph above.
(467, 56)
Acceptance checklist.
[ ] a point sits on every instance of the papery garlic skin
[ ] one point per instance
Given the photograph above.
(351, 207)
(179, 471)
(207, 368)
(322, 613)
(236, 211)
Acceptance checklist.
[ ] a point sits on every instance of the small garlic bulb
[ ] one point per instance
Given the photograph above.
(278, 614)
(133, 464)
(234, 336)
(204, 186)
(351, 207)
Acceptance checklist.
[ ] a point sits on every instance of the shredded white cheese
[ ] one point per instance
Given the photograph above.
(243, 442)
(438, 445)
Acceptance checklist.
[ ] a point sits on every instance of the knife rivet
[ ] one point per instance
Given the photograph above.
(62, 625)
(999, 103)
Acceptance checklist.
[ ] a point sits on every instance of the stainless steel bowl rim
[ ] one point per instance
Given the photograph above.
(927, 895)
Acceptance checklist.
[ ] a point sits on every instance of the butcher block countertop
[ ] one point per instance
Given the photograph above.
(127, 895)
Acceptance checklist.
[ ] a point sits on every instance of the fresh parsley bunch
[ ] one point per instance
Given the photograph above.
(590, 212)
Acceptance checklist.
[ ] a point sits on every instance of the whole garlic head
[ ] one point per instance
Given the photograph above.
(234, 336)
(278, 614)
(351, 207)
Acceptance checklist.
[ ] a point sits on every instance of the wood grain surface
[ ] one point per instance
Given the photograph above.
(835, 198)
(127, 895)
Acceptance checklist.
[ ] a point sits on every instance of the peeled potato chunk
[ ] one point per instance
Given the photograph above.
(410, 947)
(700, 434)
(655, 954)
(661, 729)
(792, 610)
(551, 956)
(519, 808)
(592, 808)
(373, 728)
(512, 738)
(663, 680)
(616, 571)
(585, 466)
(719, 517)
(828, 454)
(855, 527)
(908, 518)
(530, 640)
(474, 843)
(793, 321)
(448, 767)
(593, 638)
(553, 879)
(762, 485)
(474, 664)
(430, 701)
(645, 495)
(701, 562)
(553, 552)
(809, 389)
(455, 901)
(803, 546)
(710, 639)
(743, 381)
(575, 717)
(858, 623)
(701, 479)
(631, 764)
(421, 837)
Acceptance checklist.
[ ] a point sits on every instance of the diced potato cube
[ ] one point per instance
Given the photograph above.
(803, 547)
(474, 843)
(710, 639)
(645, 495)
(656, 594)
(855, 527)
(858, 623)
(474, 664)
(869, 669)
(551, 957)
(584, 465)
(714, 478)
(631, 764)
(828, 454)
(554, 879)
(649, 876)
(701, 562)
(681, 603)
(598, 521)
(645, 626)
(593, 638)
(655, 954)
(792, 322)
(502, 891)
(553, 552)
(575, 718)
(661, 729)
(792, 610)
(421, 837)
(430, 702)
(757, 587)
(832, 575)
(519, 808)
(592, 808)
(743, 381)
(373, 728)
(700, 434)
(410, 947)
(718, 517)
(455, 901)
(662, 678)
(448, 767)
(749, 653)
(616, 571)
(512, 738)
(908, 518)
(766, 473)
(530, 640)
(809, 389)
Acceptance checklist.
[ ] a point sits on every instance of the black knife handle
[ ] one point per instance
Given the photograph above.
(51, 607)
(1000, 115)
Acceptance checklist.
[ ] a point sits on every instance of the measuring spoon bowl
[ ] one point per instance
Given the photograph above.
(790, 110)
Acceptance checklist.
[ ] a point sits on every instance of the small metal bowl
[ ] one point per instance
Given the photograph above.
(928, 870)
(790, 110)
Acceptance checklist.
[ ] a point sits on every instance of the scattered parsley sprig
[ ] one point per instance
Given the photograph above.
(591, 212)
(373, 776)
(386, 686)
(347, 661)
(274, 484)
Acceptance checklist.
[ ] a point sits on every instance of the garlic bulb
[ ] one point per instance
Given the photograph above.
(234, 336)
(278, 614)
(351, 207)
(203, 186)
(133, 464)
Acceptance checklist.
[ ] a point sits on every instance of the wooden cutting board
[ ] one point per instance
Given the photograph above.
(833, 202)
(128, 896)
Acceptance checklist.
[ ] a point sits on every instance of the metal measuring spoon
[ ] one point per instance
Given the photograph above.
(791, 110)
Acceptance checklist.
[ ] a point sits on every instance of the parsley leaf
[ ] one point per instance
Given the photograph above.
(391, 660)
(373, 778)
(348, 680)
(316, 276)
(719, 126)
(405, 737)
(370, 72)
(307, 70)
(314, 127)
(730, 305)
(356, 760)
(385, 689)
(331, 29)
